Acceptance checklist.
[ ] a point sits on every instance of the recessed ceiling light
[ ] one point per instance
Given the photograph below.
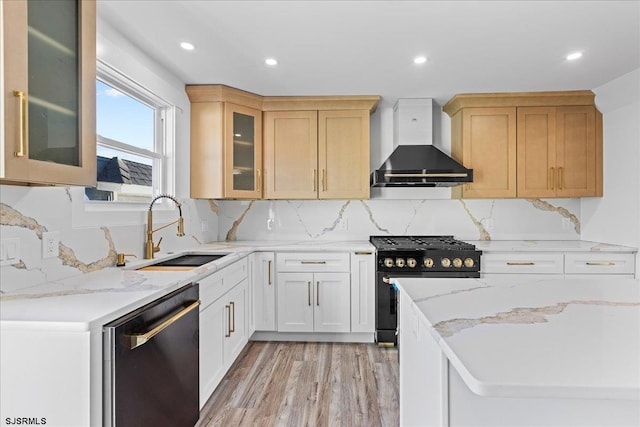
(419, 59)
(271, 61)
(573, 56)
(187, 46)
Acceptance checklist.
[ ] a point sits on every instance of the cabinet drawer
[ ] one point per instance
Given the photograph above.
(522, 262)
(214, 286)
(599, 263)
(313, 261)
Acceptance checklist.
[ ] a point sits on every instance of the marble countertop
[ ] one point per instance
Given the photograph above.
(569, 338)
(548, 245)
(85, 302)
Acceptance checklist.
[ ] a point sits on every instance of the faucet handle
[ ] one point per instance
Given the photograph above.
(121, 261)
(156, 248)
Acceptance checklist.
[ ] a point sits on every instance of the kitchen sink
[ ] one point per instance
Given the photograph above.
(183, 262)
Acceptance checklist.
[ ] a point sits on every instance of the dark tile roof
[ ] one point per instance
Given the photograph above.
(123, 171)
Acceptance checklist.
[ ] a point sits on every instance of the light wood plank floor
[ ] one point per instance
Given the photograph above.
(307, 384)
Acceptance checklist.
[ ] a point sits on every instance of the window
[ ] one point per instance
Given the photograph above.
(134, 141)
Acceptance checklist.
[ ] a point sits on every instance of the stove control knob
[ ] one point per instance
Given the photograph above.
(445, 262)
(400, 262)
(428, 262)
(457, 262)
(411, 262)
(388, 262)
(468, 262)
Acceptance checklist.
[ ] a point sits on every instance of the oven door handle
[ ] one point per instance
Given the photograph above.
(136, 340)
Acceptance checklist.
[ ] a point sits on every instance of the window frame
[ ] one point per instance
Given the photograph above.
(163, 156)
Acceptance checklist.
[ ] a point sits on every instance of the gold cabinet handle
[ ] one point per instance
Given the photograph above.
(324, 180)
(520, 263)
(363, 253)
(23, 123)
(258, 180)
(315, 180)
(233, 316)
(136, 340)
(309, 293)
(560, 178)
(553, 177)
(228, 308)
(269, 272)
(601, 263)
(318, 293)
(313, 262)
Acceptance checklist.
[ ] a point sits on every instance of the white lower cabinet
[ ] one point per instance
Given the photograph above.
(314, 302)
(363, 289)
(264, 291)
(223, 324)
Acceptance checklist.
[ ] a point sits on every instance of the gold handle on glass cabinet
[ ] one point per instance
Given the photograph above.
(309, 293)
(136, 340)
(608, 264)
(269, 272)
(553, 177)
(233, 317)
(23, 123)
(315, 180)
(318, 293)
(258, 179)
(228, 308)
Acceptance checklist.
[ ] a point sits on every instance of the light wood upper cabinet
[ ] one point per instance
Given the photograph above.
(308, 147)
(484, 139)
(226, 143)
(343, 154)
(549, 146)
(291, 154)
(49, 89)
(557, 152)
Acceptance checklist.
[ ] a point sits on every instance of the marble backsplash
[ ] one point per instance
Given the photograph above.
(90, 241)
(497, 219)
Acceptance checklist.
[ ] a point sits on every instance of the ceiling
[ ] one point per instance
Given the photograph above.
(367, 47)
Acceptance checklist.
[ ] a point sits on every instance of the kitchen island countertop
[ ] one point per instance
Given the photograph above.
(554, 338)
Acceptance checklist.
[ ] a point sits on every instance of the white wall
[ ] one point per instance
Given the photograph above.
(615, 218)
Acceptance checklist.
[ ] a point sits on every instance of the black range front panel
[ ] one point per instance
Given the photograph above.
(415, 256)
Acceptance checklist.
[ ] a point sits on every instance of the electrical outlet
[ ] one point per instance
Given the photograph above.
(50, 243)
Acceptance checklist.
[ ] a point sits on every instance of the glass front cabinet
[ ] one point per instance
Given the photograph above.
(49, 54)
(243, 145)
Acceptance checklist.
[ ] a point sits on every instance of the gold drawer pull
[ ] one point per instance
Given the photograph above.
(521, 263)
(363, 253)
(601, 263)
(136, 340)
(313, 262)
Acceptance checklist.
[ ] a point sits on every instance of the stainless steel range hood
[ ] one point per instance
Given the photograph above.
(415, 162)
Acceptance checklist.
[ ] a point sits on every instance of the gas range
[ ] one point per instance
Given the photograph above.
(415, 256)
(426, 256)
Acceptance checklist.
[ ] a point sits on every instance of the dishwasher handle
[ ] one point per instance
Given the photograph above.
(136, 340)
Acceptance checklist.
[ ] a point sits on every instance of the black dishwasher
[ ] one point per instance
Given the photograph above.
(151, 363)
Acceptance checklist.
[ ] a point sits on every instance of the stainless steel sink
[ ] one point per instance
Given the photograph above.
(183, 262)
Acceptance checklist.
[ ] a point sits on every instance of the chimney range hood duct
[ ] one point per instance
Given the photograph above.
(415, 162)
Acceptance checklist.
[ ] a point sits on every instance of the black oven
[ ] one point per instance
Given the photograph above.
(415, 256)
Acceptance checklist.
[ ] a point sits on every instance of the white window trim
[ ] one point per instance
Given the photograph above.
(89, 213)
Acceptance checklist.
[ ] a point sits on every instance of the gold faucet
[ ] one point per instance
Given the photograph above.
(150, 247)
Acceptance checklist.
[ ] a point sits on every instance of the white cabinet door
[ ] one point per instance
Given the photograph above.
(236, 333)
(295, 302)
(213, 325)
(264, 291)
(331, 306)
(363, 286)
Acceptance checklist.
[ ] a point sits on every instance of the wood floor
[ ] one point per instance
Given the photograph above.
(307, 384)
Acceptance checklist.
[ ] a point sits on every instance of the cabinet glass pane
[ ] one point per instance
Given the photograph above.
(53, 81)
(243, 152)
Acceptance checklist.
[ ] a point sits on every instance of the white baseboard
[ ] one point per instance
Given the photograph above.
(360, 337)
